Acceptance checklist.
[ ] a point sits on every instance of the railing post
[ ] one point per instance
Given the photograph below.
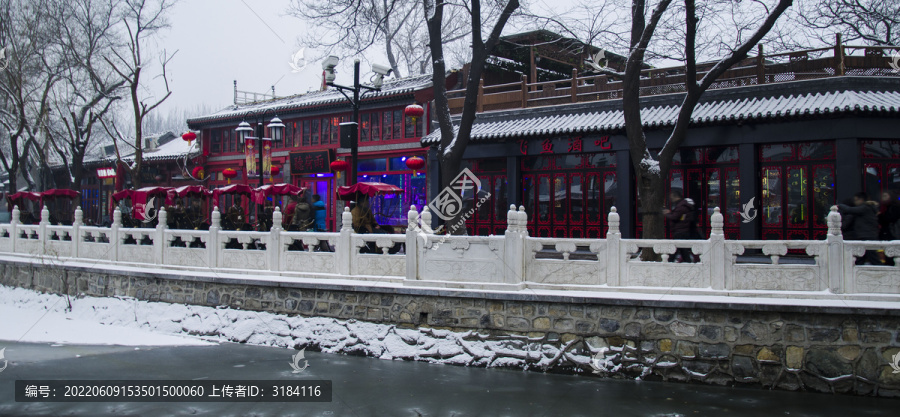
(212, 245)
(480, 99)
(159, 242)
(114, 238)
(839, 280)
(412, 248)
(76, 231)
(14, 226)
(515, 246)
(274, 246)
(574, 85)
(838, 55)
(524, 91)
(344, 248)
(42, 229)
(760, 65)
(717, 250)
(613, 242)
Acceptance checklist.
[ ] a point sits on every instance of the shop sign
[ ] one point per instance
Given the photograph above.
(312, 162)
(106, 172)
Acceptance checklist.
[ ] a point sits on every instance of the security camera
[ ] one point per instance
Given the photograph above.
(381, 70)
(328, 66)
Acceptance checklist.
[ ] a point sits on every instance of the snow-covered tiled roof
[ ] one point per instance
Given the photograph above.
(316, 98)
(173, 148)
(716, 109)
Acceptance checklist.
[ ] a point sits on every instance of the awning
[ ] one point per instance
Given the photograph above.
(260, 194)
(367, 188)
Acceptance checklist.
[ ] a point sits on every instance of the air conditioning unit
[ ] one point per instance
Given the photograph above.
(150, 144)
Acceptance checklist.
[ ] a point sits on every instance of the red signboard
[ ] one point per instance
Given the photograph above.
(311, 162)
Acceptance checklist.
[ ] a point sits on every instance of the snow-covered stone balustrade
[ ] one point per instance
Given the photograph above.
(823, 269)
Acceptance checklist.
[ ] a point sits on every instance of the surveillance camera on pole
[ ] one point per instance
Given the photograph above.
(328, 66)
(380, 71)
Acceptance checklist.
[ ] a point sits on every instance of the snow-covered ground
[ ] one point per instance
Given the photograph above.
(27, 315)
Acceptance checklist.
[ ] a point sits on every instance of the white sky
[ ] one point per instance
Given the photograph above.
(219, 41)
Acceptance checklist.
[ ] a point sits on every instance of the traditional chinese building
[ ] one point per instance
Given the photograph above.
(387, 138)
(784, 136)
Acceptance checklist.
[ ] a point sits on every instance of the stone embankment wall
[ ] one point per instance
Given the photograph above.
(824, 349)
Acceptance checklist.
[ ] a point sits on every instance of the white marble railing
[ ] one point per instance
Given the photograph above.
(514, 261)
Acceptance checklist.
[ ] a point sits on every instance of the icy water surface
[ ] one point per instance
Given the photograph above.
(373, 387)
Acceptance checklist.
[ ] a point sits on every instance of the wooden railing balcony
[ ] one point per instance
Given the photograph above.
(833, 61)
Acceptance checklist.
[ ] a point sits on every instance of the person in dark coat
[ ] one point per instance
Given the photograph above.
(865, 223)
(889, 216)
(681, 221)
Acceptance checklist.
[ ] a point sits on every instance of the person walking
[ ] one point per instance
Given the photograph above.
(319, 207)
(888, 222)
(865, 224)
(681, 222)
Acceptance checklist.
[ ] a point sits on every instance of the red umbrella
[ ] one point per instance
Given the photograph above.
(367, 188)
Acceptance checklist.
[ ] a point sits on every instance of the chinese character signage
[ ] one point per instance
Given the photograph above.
(106, 172)
(311, 162)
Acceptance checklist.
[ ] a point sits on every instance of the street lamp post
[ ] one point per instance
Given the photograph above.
(276, 130)
(380, 72)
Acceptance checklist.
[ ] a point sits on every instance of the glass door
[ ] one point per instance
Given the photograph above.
(322, 186)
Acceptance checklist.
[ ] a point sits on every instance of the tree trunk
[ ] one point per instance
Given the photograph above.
(651, 192)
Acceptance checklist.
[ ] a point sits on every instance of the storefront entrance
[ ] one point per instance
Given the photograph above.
(323, 186)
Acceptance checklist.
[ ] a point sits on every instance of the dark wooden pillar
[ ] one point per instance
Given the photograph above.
(848, 169)
(748, 169)
(625, 193)
(513, 181)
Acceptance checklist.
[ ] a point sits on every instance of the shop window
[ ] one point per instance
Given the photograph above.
(535, 163)
(688, 156)
(817, 150)
(777, 152)
(364, 127)
(881, 149)
(315, 132)
(601, 159)
(398, 124)
(369, 165)
(215, 143)
(325, 132)
(387, 126)
(375, 120)
(306, 133)
(568, 161)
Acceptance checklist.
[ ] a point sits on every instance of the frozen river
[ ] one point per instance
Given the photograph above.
(373, 387)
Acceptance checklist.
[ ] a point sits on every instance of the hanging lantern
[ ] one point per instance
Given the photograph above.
(229, 173)
(198, 172)
(243, 131)
(189, 137)
(274, 171)
(415, 111)
(339, 165)
(415, 163)
(276, 129)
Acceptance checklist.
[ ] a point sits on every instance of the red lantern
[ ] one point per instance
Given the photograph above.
(415, 111)
(229, 173)
(415, 163)
(198, 172)
(274, 171)
(189, 137)
(339, 165)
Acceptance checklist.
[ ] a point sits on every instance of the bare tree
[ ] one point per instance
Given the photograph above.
(652, 169)
(142, 20)
(455, 139)
(89, 87)
(353, 26)
(875, 22)
(31, 70)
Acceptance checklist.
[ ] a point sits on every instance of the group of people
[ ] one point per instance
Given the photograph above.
(861, 219)
(181, 216)
(864, 219)
(300, 214)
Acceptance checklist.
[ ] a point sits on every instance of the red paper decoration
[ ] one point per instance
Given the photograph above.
(229, 173)
(415, 163)
(339, 165)
(189, 137)
(198, 172)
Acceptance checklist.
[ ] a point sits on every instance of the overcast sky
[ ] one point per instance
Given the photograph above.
(219, 41)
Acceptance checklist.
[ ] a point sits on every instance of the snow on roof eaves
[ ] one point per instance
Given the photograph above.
(316, 98)
(747, 109)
